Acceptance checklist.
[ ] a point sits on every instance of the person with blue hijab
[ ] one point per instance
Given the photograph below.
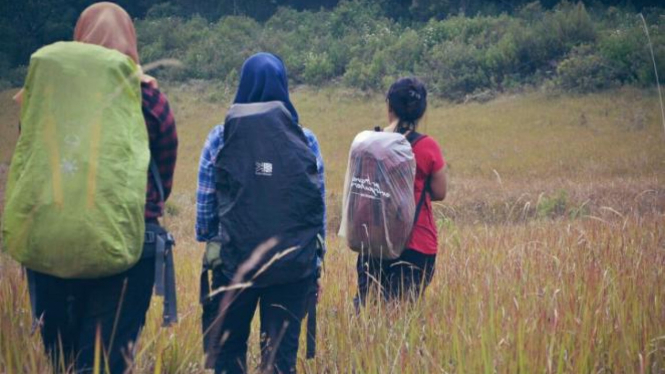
(263, 79)
(282, 307)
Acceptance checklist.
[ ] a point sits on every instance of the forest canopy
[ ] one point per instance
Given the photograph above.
(459, 47)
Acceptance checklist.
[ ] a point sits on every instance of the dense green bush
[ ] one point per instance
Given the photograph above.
(318, 68)
(456, 56)
(207, 50)
(365, 45)
(585, 70)
(628, 51)
(455, 69)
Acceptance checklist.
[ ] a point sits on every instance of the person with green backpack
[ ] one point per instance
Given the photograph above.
(91, 171)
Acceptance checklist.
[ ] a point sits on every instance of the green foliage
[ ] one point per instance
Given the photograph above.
(628, 51)
(553, 206)
(356, 16)
(455, 69)
(206, 50)
(362, 75)
(318, 68)
(368, 44)
(586, 71)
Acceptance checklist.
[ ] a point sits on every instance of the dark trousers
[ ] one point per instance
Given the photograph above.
(403, 278)
(281, 308)
(73, 311)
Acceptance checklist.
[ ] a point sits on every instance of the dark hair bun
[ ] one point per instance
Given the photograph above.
(407, 98)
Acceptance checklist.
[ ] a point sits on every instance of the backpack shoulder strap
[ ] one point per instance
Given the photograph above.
(154, 170)
(421, 201)
(414, 137)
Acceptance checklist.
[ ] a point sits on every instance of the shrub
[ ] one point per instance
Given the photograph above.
(541, 42)
(208, 51)
(404, 54)
(571, 25)
(318, 68)
(480, 31)
(354, 16)
(170, 37)
(300, 39)
(364, 75)
(456, 56)
(553, 206)
(454, 69)
(586, 71)
(627, 50)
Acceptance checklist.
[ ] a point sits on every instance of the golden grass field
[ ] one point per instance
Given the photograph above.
(552, 242)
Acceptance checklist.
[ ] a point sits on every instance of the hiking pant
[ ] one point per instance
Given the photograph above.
(72, 311)
(281, 308)
(404, 278)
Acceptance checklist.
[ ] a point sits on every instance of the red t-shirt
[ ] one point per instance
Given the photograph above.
(429, 160)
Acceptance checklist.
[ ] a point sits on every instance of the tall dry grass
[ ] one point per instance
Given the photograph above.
(552, 253)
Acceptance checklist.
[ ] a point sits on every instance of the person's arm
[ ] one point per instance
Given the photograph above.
(313, 144)
(437, 169)
(439, 184)
(207, 220)
(163, 135)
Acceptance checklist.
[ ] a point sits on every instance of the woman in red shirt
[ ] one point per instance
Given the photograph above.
(412, 272)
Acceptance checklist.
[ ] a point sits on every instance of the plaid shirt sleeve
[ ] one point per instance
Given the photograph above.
(207, 222)
(163, 146)
(313, 144)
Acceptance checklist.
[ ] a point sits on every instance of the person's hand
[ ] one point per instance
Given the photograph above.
(213, 254)
(150, 81)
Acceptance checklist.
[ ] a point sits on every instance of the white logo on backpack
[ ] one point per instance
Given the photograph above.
(263, 168)
(365, 187)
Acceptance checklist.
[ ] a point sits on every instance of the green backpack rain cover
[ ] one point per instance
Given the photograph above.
(75, 195)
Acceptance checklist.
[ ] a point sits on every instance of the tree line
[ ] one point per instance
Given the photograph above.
(459, 47)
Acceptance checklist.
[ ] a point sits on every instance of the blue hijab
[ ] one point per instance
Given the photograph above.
(263, 78)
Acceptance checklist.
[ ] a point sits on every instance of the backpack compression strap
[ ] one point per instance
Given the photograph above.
(164, 266)
(154, 170)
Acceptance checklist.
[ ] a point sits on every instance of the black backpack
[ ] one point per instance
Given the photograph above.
(267, 187)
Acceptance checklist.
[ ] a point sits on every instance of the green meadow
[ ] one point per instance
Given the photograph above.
(552, 241)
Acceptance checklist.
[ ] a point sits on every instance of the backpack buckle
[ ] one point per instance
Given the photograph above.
(169, 243)
(170, 239)
(149, 237)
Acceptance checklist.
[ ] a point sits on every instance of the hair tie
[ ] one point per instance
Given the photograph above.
(415, 94)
